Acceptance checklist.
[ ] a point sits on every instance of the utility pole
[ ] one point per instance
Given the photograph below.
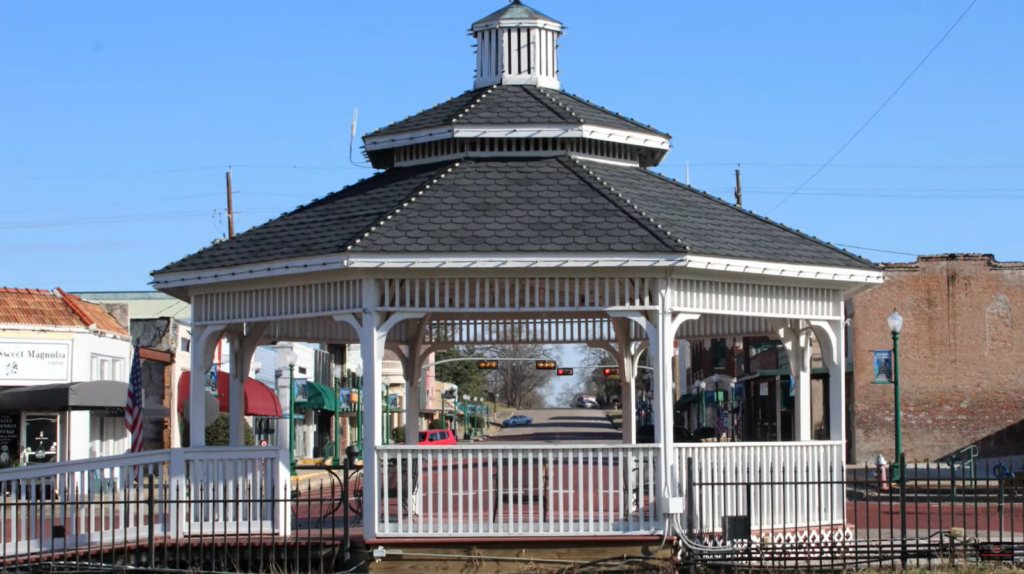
(739, 190)
(231, 212)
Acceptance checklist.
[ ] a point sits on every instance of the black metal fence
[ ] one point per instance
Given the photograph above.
(821, 518)
(219, 534)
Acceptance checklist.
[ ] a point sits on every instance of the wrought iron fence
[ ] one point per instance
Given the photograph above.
(789, 517)
(224, 528)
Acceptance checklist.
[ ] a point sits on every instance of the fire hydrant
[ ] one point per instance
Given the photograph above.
(881, 472)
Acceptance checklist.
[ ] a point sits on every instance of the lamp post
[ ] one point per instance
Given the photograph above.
(337, 408)
(895, 322)
(386, 422)
(465, 408)
(291, 358)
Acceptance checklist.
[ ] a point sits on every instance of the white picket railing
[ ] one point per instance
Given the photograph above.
(80, 504)
(779, 485)
(501, 490)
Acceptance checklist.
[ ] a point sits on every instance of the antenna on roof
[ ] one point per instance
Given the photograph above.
(687, 173)
(352, 139)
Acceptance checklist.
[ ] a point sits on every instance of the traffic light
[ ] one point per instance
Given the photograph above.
(546, 365)
(487, 365)
(564, 372)
(610, 372)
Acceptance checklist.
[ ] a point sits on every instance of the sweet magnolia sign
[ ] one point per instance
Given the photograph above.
(30, 361)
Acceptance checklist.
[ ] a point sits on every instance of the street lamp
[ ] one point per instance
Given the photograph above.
(291, 358)
(337, 407)
(895, 322)
(465, 408)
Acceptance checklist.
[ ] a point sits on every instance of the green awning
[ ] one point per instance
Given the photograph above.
(319, 398)
(781, 373)
(687, 399)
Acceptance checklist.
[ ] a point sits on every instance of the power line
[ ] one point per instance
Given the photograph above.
(877, 111)
(878, 250)
(116, 175)
(118, 219)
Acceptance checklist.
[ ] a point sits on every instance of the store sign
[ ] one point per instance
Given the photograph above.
(764, 389)
(34, 361)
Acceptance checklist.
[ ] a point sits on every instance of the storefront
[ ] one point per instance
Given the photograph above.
(60, 358)
(36, 422)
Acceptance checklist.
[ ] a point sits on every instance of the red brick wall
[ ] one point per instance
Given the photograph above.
(961, 358)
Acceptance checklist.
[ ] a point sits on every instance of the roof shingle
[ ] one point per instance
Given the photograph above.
(519, 205)
(514, 105)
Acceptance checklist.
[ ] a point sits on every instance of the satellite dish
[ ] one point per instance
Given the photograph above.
(212, 407)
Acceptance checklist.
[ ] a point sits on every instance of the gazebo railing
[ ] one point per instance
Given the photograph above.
(501, 490)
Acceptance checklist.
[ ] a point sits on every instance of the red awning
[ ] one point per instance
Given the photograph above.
(260, 400)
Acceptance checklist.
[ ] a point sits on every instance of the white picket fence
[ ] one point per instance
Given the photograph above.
(83, 504)
(781, 486)
(500, 490)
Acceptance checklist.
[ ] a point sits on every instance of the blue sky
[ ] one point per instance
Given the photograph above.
(119, 119)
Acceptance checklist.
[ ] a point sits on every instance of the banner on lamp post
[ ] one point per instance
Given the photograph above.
(883, 367)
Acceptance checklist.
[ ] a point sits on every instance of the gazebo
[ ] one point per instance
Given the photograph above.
(518, 212)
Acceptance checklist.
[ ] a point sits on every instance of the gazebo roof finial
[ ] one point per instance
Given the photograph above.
(517, 45)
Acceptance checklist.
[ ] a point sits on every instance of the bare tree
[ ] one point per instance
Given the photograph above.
(520, 382)
(595, 382)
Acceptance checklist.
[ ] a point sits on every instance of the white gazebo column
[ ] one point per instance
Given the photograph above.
(204, 345)
(240, 356)
(830, 335)
(796, 338)
(626, 355)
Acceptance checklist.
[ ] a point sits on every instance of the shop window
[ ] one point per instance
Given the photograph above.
(107, 368)
(107, 436)
(41, 438)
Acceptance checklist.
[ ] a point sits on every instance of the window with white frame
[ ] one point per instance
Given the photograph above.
(107, 368)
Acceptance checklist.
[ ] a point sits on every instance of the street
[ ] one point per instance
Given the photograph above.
(562, 425)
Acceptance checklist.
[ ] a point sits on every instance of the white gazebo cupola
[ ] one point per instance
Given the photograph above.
(517, 45)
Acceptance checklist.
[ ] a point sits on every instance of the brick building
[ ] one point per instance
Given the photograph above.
(961, 358)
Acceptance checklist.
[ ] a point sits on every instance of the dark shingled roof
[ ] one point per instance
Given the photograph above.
(514, 105)
(519, 206)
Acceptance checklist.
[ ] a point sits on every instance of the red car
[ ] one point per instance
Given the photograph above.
(437, 438)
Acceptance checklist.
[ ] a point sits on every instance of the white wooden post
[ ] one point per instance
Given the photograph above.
(236, 396)
(830, 335)
(204, 345)
(797, 342)
(372, 348)
(240, 355)
(178, 493)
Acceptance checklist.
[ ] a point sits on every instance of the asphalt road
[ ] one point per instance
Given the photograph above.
(562, 425)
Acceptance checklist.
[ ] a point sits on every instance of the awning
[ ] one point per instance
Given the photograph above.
(260, 400)
(686, 400)
(319, 398)
(815, 371)
(87, 395)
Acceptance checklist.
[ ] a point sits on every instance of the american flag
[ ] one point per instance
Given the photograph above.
(720, 424)
(133, 407)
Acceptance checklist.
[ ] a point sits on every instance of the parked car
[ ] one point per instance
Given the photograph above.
(516, 420)
(437, 438)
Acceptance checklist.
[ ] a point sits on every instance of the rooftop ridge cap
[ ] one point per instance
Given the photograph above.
(616, 114)
(662, 235)
(24, 291)
(484, 91)
(559, 110)
(796, 232)
(72, 304)
(433, 178)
